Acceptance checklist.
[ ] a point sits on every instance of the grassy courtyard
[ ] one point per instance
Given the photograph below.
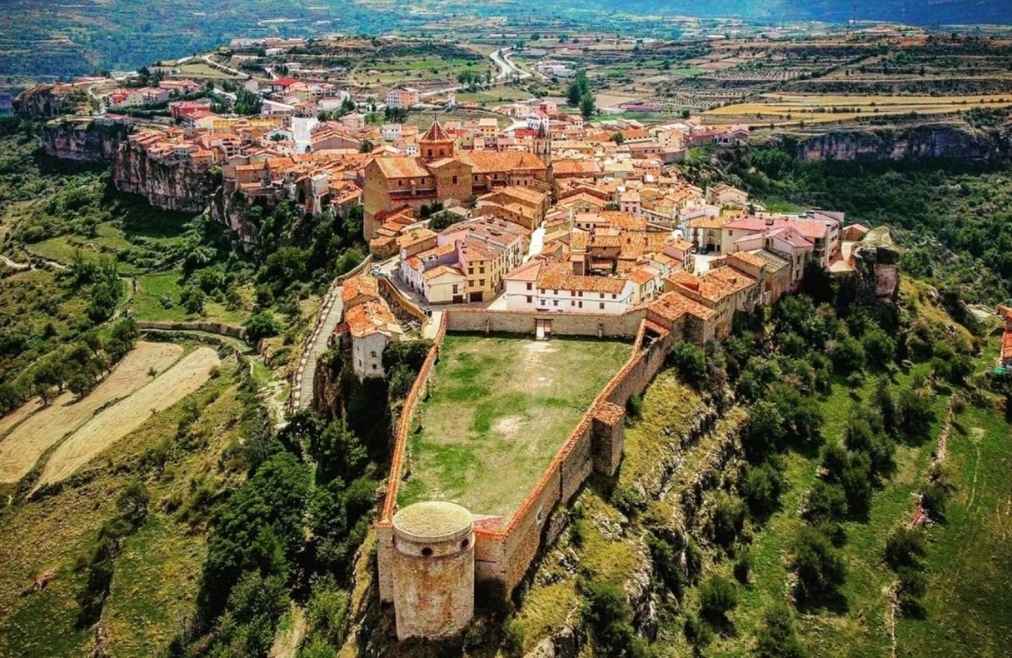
(498, 410)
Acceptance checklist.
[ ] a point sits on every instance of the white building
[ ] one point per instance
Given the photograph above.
(552, 288)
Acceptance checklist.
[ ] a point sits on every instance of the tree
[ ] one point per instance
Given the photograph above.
(764, 433)
(192, 299)
(820, 568)
(690, 361)
(915, 413)
(879, 348)
(762, 488)
(366, 146)
(259, 527)
(718, 596)
(338, 452)
(587, 106)
(261, 325)
(826, 502)
(777, 637)
(254, 607)
(847, 354)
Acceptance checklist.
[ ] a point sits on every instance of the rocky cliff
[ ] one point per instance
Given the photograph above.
(912, 143)
(83, 139)
(47, 101)
(170, 183)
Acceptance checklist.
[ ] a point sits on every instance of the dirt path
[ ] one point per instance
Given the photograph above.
(112, 424)
(35, 433)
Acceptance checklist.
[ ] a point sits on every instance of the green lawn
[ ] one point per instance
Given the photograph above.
(499, 408)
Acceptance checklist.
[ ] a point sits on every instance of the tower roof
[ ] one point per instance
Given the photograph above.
(435, 133)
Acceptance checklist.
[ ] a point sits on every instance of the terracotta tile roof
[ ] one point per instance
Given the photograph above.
(708, 222)
(673, 305)
(440, 270)
(642, 275)
(485, 162)
(749, 258)
(576, 168)
(359, 286)
(414, 236)
(369, 318)
(527, 272)
(435, 133)
(401, 166)
(791, 236)
(559, 277)
(773, 262)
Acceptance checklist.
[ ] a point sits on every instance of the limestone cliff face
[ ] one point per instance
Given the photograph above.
(168, 183)
(83, 139)
(920, 142)
(47, 101)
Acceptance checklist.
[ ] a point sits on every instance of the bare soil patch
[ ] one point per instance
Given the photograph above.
(39, 431)
(115, 422)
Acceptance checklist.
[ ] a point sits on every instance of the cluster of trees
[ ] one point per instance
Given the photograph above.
(472, 80)
(76, 366)
(291, 530)
(579, 94)
(780, 362)
(293, 250)
(347, 107)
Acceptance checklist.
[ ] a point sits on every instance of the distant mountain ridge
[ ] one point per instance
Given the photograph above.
(914, 12)
(61, 38)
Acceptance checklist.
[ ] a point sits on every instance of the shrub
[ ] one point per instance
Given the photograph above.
(904, 547)
(820, 568)
(697, 634)
(742, 567)
(762, 488)
(826, 502)
(718, 596)
(727, 521)
(777, 638)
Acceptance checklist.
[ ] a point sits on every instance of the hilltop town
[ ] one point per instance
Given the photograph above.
(530, 344)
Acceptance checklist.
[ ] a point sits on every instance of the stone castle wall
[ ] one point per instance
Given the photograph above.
(525, 322)
(503, 553)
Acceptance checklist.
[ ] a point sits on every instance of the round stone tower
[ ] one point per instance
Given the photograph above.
(433, 569)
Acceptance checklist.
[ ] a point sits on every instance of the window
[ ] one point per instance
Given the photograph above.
(614, 296)
(581, 304)
(529, 285)
(529, 298)
(555, 302)
(481, 283)
(601, 305)
(373, 354)
(454, 180)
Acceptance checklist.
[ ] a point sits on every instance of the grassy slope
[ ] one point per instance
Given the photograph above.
(968, 610)
(155, 579)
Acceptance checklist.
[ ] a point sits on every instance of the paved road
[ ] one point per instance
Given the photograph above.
(304, 397)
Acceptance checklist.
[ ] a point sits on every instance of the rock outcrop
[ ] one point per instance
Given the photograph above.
(167, 182)
(83, 139)
(48, 101)
(876, 263)
(942, 141)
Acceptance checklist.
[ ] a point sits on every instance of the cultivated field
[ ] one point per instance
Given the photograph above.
(33, 429)
(112, 424)
(788, 108)
(498, 410)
